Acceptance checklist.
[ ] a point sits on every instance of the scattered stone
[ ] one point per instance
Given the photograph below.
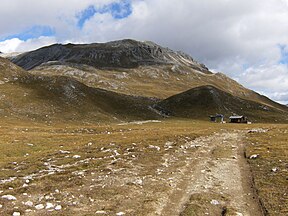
(9, 197)
(254, 156)
(239, 214)
(275, 169)
(57, 191)
(76, 156)
(25, 185)
(29, 203)
(258, 130)
(156, 147)
(27, 181)
(101, 212)
(16, 214)
(214, 202)
(39, 206)
(64, 152)
(120, 213)
(1, 206)
(58, 207)
(49, 205)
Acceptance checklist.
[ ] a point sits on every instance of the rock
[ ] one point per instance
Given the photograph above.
(254, 156)
(214, 202)
(49, 205)
(1, 206)
(9, 197)
(16, 214)
(76, 156)
(120, 213)
(39, 206)
(58, 207)
(29, 203)
(275, 169)
(258, 130)
(156, 147)
(101, 212)
(64, 152)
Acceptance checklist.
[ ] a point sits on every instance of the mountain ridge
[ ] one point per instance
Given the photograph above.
(125, 53)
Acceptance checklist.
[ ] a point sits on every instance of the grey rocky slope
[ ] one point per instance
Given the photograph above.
(120, 54)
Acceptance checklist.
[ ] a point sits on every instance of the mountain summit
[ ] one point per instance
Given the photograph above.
(116, 54)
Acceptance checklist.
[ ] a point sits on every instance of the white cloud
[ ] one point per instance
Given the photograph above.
(239, 38)
(17, 45)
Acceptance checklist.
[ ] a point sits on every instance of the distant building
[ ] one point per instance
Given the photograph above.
(238, 119)
(217, 118)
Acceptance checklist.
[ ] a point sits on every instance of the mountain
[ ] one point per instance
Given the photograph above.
(57, 98)
(121, 54)
(200, 102)
(131, 67)
(143, 73)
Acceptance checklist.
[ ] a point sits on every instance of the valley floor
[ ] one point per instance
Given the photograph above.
(173, 167)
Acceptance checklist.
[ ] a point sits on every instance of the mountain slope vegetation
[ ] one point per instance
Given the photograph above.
(200, 102)
(52, 98)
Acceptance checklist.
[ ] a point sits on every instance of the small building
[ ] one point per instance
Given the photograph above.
(238, 119)
(217, 118)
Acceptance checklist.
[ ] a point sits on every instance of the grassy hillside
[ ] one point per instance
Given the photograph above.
(56, 98)
(201, 102)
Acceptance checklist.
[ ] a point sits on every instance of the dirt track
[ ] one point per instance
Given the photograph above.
(217, 181)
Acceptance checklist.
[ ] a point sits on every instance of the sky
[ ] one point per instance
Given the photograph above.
(245, 39)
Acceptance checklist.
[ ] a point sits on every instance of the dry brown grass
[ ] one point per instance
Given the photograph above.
(84, 194)
(272, 186)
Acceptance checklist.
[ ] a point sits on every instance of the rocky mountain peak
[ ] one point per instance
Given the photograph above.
(125, 53)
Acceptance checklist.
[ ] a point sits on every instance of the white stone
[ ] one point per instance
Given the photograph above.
(254, 156)
(16, 214)
(9, 197)
(49, 205)
(1, 206)
(64, 152)
(101, 212)
(29, 203)
(275, 169)
(214, 202)
(39, 206)
(76, 156)
(120, 213)
(58, 207)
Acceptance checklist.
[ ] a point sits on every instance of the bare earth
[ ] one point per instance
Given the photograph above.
(220, 170)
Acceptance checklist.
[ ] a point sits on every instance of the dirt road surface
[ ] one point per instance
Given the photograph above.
(219, 176)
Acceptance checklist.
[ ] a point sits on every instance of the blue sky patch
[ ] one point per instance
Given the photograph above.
(118, 10)
(284, 54)
(33, 32)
